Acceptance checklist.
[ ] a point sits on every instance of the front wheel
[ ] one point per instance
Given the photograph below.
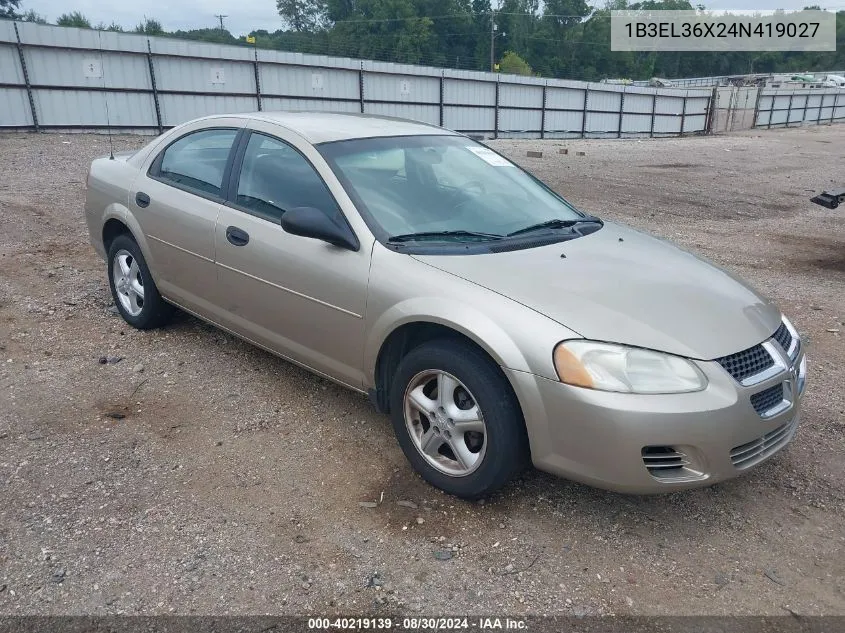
(457, 419)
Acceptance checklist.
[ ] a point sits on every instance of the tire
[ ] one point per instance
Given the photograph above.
(466, 463)
(132, 286)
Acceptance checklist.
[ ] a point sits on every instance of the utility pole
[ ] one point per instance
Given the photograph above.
(220, 17)
(492, 40)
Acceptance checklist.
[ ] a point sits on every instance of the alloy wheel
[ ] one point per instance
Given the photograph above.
(128, 282)
(445, 423)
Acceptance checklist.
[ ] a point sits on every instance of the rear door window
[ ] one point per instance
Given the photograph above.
(197, 161)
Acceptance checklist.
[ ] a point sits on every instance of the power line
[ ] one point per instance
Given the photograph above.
(465, 16)
(471, 16)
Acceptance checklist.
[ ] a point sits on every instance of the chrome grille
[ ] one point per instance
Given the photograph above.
(783, 337)
(747, 362)
(747, 455)
(767, 399)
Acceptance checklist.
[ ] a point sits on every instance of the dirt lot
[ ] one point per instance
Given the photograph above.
(202, 475)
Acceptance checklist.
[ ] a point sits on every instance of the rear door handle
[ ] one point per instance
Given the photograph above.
(142, 199)
(236, 236)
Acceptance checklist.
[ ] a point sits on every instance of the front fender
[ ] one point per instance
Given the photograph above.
(404, 290)
(465, 319)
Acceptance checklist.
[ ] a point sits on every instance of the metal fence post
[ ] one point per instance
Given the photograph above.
(788, 108)
(584, 113)
(442, 81)
(821, 105)
(621, 113)
(361, 86)
(543, 113)
(653, 113)
(684, 113)
(257, 80)
(757, 107)
(771, 111)
(154, 86)
(712, 107)
(733, 106)
(804, 115)
(496, 117)
(26, 80)
(833, 109)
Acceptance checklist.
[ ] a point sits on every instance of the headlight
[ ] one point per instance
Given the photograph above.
(609, 367)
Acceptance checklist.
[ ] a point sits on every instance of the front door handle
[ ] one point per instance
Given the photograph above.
(142, 200)
(236, 236)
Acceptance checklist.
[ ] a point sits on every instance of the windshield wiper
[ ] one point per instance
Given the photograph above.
(555, 224)
(434, 235)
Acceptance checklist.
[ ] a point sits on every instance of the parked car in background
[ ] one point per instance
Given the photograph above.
(496, 323)
(833, 81)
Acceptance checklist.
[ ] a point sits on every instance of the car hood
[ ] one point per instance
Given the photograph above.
(621, 285)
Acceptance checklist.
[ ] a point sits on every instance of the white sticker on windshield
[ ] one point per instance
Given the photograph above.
(489, 156)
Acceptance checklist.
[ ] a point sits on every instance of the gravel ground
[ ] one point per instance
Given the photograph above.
(201, 475)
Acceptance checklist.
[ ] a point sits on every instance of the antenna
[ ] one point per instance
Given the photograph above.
(106, 97)
(108, 128)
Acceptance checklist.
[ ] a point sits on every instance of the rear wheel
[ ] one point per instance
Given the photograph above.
(457, 419)
(132, 286)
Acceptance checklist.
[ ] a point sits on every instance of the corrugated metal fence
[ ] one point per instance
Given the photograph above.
(747, 107)
(783, 108)
(64, 78)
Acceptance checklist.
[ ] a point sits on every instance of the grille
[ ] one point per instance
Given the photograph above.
(783, 337)
(747, 363)
(664, 461)
(754, 452)
(768, 398)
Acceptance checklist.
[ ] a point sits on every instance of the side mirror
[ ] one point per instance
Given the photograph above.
(311, 222)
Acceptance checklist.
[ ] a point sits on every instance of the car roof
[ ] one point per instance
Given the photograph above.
(324, 127)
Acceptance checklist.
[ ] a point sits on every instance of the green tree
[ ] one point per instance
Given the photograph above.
(302, 15)
(114, 26)
(564, 14)
(8, 8)
(388, 30)
(150, 26)
(482, 13)
(32, 16)
(517, 23)
(209, 35)
(74, 19)
(513, 64)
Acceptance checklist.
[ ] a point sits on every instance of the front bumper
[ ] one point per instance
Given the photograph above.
(647, 444)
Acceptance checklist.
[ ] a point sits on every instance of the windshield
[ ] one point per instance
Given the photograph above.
(448, 188)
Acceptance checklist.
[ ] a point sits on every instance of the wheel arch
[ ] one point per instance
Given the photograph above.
(126, 224)
(111, 229)
(392, 342)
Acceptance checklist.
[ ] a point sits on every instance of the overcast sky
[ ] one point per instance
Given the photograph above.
(246, 15)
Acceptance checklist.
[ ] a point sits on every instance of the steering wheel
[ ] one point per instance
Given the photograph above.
(474, 188)
(467, 193)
